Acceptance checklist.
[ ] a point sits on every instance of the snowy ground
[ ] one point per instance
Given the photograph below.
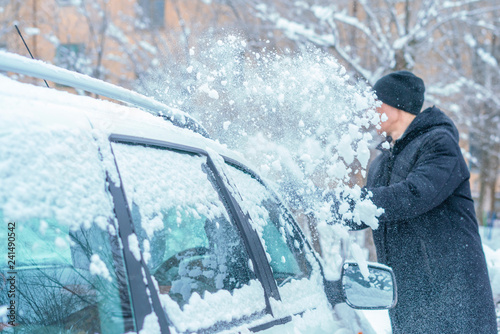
(379, 321)
(491, 239)
(491, 245)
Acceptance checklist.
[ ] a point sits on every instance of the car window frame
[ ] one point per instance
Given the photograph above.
(286, 211)
(250, 238)
(139, 297)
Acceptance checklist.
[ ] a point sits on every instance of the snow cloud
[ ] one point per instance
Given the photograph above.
(297, 116)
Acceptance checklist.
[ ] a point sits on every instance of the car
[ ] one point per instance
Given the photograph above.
(121, 217)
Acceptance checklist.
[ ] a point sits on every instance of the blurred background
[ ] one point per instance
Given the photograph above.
(263, 77)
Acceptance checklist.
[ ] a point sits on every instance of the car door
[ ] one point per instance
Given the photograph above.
(201, 263)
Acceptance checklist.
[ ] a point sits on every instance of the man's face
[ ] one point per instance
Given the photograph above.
(388, 117)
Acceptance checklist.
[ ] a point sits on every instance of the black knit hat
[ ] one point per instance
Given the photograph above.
(402, 90)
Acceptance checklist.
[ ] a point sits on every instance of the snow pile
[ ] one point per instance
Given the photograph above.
(151, 325)
(297, 116)
(200, 312)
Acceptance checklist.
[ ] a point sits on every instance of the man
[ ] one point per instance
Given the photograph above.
(428, 233)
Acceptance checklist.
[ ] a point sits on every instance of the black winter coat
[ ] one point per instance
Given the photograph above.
(429, 233)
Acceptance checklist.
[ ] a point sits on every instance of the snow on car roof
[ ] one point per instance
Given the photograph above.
(11, 62)
(28, 104)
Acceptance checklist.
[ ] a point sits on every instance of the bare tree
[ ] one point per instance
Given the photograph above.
(452, 44)
(373, 37)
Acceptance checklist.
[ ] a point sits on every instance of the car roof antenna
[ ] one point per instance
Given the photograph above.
(27, 48)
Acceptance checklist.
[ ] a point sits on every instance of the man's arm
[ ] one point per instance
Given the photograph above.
(436, 175)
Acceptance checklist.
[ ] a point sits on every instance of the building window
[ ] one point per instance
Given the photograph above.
(69, 2)
(71, 56)
(152, 13)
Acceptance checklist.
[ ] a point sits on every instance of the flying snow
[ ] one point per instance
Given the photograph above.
(297, 116)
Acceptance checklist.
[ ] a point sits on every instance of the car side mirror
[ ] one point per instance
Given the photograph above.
(376, 292)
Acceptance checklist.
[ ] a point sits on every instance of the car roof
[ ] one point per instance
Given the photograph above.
(25, 104)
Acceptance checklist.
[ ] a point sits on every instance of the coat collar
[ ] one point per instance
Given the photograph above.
(425, 121)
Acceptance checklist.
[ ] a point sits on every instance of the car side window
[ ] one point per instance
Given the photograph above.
(283, 243)
(190, 244)
(61, 264)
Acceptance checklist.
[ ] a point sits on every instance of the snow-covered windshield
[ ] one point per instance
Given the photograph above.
(190, 245)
